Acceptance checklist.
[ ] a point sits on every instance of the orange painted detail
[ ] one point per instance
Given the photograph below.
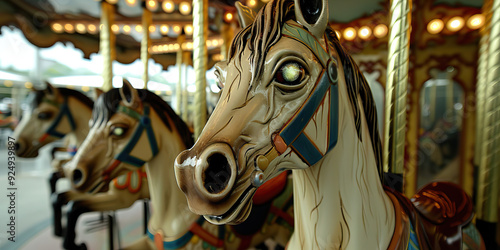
(279, 144)
(44, 136)
(128, 181)
(206, 236)
(245, 242)
(159, 241)
(270, 189)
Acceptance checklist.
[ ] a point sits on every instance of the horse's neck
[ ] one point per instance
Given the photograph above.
(81, 114)
(339, 202)
(171, 214)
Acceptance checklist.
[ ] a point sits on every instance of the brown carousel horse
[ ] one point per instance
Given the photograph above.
(64, 113)
(310, 109)
(131, 127)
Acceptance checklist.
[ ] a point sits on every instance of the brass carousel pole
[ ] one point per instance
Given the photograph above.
(185, 95)
(178, 93)
(396, 90)
(200, 24)
(489, 167)
(107, 44)
(147, 19)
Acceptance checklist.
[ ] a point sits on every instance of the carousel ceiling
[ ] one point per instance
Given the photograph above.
(46, 22)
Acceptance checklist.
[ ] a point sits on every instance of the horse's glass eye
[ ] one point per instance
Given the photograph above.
(290, 74)
(44, 115)
(118, 131)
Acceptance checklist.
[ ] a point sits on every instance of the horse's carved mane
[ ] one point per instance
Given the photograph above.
(265, 31)
(107, 104)
(39, 94)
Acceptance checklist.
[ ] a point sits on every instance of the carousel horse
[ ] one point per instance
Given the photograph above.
(310, 109)
(132, 127)
(64, 113)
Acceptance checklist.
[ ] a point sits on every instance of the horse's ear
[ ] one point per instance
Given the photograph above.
(312, 14)
(97, 92)
(50, 90)
(129, 95)
(245, 15)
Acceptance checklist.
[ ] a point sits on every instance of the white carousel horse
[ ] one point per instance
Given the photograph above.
(293, 98)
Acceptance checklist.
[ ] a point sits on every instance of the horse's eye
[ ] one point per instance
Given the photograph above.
(118, 131)
(290, 74)
(44, 115)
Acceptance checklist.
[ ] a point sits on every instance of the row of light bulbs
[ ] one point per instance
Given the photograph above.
(126, 29)
(167, 5)
(173, 47)
(365, 32)
(456, 23)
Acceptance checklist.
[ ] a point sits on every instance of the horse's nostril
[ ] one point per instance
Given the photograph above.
(217, 174)
(17, 146)
(77, 176)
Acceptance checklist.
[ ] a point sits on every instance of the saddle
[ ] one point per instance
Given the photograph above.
(438, 212)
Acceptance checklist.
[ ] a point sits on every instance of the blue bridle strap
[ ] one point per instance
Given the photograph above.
(293, 132)
(63, 112)
(144, 125)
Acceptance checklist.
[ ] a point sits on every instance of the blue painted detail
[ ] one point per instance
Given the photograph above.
(176, 244)
(293, 132)
(413, 242)
(144, 124)
(63, 111)
(306, 149)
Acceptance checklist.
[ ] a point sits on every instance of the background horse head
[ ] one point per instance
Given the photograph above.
(55, 113)
(292, 98)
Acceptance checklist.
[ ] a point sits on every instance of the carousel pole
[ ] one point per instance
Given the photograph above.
(147, 19)
(396, 90)
(178, 93)
(107, 44)
(489, 168)
(185, 63)
(200, 24)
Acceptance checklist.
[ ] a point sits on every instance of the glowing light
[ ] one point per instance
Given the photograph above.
(209, 43)
(188, 29)
(364, 32)
(80, 28)
(171, 47)
(176, 46)
(69, 28)
(57, 27)
(112, 1)
(138, 28)
(92, 29)
(215, 42)
(152, 5)
(164, 29)
(189, 45)
(8, 83)
(85, 88)
(168, 6)
(185, 8)
(126, 29)
(130, 2)
(152, 28)
(115, 28)
(158, 92)
(350, 34)
(28, 85)
(228, 17)
(435, 26)
(475, 21)
(380, 30)
(251, 3)
(455, 24)
(164, 47)
(177, 29)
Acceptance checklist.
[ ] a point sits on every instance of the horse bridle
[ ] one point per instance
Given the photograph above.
(292, 133)
(63, 112)
(143, 126)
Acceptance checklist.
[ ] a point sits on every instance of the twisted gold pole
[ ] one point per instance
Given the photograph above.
(489, 168)
(200, 24)
(480, 93)
(147, 19)
(185, 95)
(107, 44)
(178, 92)
(396, 87)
